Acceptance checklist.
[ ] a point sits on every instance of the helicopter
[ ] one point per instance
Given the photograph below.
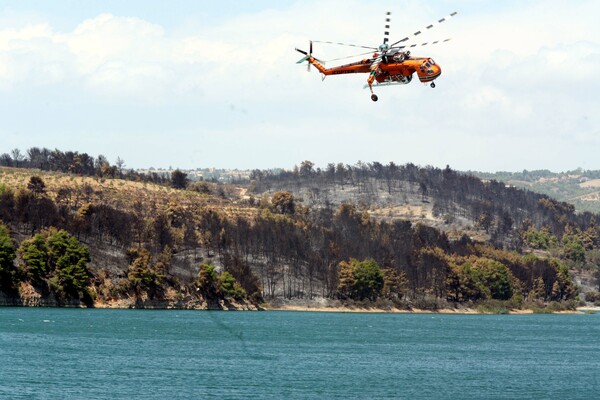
(390, 64)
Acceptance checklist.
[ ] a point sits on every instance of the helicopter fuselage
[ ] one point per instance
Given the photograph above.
(394, 70)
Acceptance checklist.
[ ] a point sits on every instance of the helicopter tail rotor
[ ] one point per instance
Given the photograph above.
(307, 56)
(310, 55)
(300, 61)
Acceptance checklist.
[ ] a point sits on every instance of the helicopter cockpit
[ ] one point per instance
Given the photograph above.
(428, 71)
(426, 66)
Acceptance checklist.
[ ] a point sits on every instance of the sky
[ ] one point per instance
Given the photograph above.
(215, 84)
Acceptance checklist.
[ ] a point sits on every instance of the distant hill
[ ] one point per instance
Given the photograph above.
(449, 200)
(578, 187)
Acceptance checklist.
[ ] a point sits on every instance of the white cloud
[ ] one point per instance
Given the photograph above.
(520, 72)
(107, 38)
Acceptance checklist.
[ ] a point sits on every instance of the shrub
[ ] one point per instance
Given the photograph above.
(360, 280)
(213, 285)
(592, 296)
(493, 307)
(7, 257)
(208, 282)
(479, 278)
(541, 239)
(143, 275)
(58, 257)
(231, 287)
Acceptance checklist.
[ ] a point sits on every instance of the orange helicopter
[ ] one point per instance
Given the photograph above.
(389, 64)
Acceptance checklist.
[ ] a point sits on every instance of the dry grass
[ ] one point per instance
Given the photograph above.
(516, 182)
(593, 183)
(122, 193)
(595, 196)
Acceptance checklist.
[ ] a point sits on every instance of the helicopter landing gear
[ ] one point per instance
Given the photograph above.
(374, 97)
(432, 85)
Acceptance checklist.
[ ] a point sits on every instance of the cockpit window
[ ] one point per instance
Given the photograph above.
(431, 61)
(427, 65)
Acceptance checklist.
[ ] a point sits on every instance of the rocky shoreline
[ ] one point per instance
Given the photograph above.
(28, 297)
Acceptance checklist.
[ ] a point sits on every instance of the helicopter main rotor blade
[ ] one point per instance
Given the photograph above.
(345, 44)
(355, 55)
(417, 33)
(386, 32)
(409, 46)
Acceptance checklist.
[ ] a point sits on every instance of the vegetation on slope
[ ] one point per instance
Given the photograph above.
(276, 251)
(578, 187)
(297, 234)
(499, 210)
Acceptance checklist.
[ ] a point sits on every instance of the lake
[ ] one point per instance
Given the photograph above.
(50, 353)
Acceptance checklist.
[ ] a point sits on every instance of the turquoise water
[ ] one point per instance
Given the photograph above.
(151, 354)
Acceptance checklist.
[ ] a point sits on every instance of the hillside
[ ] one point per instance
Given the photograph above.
(454, 202)
(578, 187)
(73, 191)
(449, 200)
(434, 237)
(110, 216)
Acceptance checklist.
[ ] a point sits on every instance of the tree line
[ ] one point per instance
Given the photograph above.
(76, 163)
(499, 209)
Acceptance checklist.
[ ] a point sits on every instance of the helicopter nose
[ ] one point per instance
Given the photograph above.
(436, 70)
